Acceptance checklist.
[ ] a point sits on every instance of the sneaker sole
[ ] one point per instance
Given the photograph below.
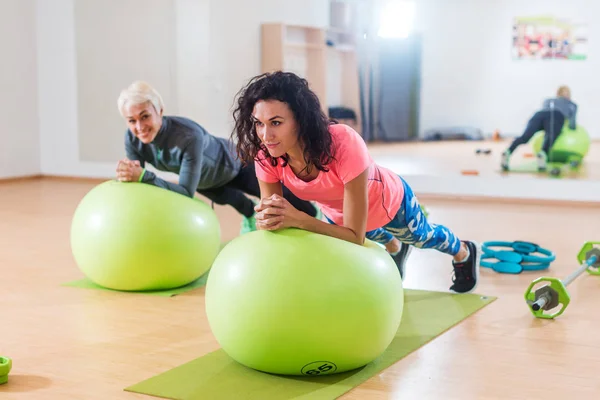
(477, 262)
(410, 249)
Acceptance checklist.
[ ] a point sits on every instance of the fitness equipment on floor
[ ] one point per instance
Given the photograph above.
(483, 151)
(568, 151)
(570, 147)
(453, 133)
(320, 306)
(546, 298)
(5, 366)
(521, 258)
(131, 236)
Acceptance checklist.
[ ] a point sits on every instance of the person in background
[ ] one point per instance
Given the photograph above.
(205, 164)
(280, 126)
(551, 119)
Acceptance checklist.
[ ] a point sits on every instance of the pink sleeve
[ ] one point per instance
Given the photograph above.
(351, 154)
(264, 170)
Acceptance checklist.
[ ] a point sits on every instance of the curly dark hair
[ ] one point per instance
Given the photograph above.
(313, 124)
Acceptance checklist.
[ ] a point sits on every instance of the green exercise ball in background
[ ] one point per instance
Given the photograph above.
(136, 237)
(293, 302)
(571, 145)
(5, 367)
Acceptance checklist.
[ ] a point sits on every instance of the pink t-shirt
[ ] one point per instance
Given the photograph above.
(385, 189)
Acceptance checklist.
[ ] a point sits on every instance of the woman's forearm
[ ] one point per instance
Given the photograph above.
(267, 189)
(151, 179)
(341, 232)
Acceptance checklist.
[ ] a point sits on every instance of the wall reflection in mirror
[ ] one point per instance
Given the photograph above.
(457, 88)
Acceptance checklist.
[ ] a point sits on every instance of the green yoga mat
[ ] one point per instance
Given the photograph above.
(215, 376)
(530, 167)
(88, 284)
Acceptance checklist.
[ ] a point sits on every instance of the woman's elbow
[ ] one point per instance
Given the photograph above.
(359, 239)
(188, 193)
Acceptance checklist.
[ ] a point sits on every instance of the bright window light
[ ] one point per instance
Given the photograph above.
(396, 20)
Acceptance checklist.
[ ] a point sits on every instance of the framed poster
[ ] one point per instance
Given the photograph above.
(547, 37)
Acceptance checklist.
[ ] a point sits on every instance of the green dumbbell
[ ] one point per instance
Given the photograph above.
(589, 249)
(548, 297)
(5, 366)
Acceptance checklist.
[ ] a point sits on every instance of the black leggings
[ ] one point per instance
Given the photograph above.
(550, 121)
(233, 193)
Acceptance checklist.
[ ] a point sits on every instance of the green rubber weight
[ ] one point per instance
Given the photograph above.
(544, 299)
(558, 294)
(586, 251)
(5, 366)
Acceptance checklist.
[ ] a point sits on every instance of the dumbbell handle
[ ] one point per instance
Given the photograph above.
(544, 299)
(541, 302)
(584, 266)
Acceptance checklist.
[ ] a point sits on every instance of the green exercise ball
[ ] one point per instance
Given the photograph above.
(293, 302)
(5, 367)
(136, 237)
(571, 144)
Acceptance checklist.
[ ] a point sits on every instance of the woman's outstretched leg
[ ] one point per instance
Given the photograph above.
(535, 124)
(410, 226)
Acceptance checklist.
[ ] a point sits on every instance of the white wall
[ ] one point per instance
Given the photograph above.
(57, 85)
(213, 62)
(234, 50)
(116, 43)
(469, 77)
(216, 52)
(70, 111)
(19, 135)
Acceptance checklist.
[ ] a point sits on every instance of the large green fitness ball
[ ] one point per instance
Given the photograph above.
(298, 303)
(136, 237)
(570, 144)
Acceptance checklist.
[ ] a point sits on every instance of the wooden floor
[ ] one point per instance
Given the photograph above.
(69, 343)
(448, 158)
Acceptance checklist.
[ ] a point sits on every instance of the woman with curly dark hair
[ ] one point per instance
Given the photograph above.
(281, 127)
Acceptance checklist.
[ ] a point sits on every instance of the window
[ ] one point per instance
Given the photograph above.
(396, 19)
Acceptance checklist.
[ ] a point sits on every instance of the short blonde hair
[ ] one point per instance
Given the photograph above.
(137, 93)
(564, 91)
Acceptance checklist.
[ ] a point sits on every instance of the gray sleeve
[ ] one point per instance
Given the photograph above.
(546, 104)
(573, 116)
(189, 174)
(131, 152)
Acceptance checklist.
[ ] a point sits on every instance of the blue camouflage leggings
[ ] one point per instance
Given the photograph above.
(411, 226)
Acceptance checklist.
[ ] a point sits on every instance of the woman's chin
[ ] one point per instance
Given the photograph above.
(146, 138)
(275, 153)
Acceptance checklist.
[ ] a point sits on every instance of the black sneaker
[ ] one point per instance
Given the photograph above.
(401, 257)
(542, 161)
(466, 273)
(505, 161)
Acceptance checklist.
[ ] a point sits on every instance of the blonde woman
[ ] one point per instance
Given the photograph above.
(550, 119)
(205, 163)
